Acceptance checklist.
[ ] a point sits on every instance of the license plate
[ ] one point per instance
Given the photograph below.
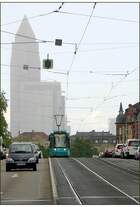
(20, 163)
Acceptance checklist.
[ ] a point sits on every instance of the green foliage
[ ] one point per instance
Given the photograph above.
(4, 133)
(45, 151)
(7, 139)
(82, 148)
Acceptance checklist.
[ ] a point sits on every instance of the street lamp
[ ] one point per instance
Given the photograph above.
(58, 119)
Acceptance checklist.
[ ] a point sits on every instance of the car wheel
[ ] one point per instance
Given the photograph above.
(8, 169)
(34, 168)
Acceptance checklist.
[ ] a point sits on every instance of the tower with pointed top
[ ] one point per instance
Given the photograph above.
(32, 103)
(120, 128)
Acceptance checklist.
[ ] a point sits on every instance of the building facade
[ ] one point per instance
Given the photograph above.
(33, 103)
(128, 123)
(96, 137)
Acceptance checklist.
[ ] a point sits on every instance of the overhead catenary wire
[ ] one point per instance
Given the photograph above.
(106, 98)
(77, 48)
(75, 14)
(100, 17)
(35, 16)
(28, 37)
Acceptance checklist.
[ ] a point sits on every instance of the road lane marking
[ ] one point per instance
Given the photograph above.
(53, 183)
(107, 181)
(15, 175)
(70, 184)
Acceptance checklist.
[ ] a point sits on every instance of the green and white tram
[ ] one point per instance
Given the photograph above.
(59, 144)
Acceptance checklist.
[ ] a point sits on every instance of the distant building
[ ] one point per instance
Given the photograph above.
(35, 137)
(112, 126)
(33, 103)
(128, 123)
(96, 137)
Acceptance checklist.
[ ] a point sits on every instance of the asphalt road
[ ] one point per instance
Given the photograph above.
(21, 187)
(95, 182)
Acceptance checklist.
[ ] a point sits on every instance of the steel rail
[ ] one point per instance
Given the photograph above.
(119, 167)
(76, 194)
(106, 181)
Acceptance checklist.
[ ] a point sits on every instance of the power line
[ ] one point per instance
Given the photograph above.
(39, 15)
(106, 98)
(28, 37)
(85, 28)
(100, 17)
(66, 72)
(72, 13)
(119, 82)
(77, 48)
(21, 35)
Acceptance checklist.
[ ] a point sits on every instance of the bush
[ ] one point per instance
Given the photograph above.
(82, 148)
(45, 151)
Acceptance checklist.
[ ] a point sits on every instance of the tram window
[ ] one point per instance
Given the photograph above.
(60, 140)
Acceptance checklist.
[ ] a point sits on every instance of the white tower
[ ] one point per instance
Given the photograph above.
(33, 103)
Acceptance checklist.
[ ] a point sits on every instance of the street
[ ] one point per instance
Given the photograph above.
(25, 186)
(92, 181)
(74, 181)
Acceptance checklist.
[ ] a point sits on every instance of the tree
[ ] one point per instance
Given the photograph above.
(82, 148)
(4, 133)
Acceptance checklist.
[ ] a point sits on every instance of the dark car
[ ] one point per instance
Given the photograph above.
(21, 155)
(108, 152)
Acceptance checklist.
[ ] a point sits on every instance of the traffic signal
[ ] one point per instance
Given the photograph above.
(47, 63)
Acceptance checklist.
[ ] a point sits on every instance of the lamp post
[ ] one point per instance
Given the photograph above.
(58, 119)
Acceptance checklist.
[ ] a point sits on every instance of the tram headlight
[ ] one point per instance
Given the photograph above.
(64, 149)
(54, 149)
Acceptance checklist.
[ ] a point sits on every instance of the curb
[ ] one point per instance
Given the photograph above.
(53, 183)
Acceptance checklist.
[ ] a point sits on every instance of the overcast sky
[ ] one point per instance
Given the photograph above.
(103, 72)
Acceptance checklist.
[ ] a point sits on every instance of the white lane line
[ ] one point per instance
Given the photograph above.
(107, 181)
(15, 175)
(75, 194)
(53, 183)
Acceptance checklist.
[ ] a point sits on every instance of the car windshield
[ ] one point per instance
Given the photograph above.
(21, 148)
(134, 143)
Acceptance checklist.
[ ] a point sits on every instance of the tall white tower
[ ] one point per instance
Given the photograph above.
(33, 103)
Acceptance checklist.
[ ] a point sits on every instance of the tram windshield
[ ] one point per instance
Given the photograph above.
(60, 140)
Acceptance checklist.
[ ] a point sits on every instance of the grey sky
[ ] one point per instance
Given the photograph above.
(109, 46)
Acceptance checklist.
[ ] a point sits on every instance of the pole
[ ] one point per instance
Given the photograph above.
(58, 119)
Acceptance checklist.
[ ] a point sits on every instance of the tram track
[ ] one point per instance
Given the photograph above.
(76, 194)
(82, 192)
(117, 166)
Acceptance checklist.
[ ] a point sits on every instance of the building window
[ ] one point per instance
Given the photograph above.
(96, 141)
(105, 141)
(25, 67)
